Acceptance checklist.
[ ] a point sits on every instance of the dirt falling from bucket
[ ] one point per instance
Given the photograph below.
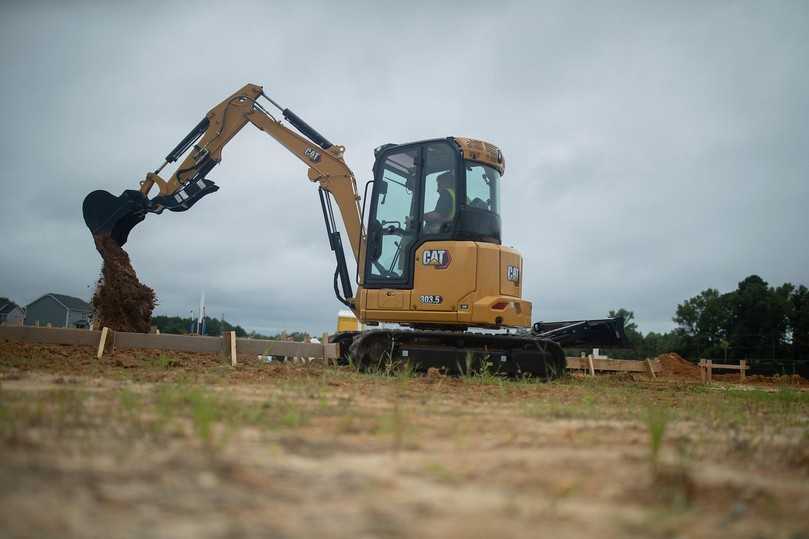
(121, 301)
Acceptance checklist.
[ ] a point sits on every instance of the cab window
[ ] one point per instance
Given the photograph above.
(393, 224)
(482, 187)
(440, 189)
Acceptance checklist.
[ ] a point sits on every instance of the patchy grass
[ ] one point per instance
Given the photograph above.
(476, 455)
(607, 398)
(163, 362)
(206, 408)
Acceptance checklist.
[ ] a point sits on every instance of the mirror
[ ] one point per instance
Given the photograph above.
(374, 240)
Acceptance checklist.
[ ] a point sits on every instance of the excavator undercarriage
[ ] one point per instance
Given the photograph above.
(537, 353)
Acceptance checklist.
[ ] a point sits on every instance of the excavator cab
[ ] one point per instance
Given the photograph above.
(433, 190)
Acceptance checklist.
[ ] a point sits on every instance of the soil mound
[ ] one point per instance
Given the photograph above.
(676, 365)
(121, 301)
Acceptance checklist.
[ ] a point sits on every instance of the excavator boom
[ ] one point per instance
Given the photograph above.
(105, 213)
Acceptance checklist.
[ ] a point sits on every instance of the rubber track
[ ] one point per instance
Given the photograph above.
(537, 354)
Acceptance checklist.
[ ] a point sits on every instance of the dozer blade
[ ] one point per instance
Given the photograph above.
(105, 213)
(604, 332)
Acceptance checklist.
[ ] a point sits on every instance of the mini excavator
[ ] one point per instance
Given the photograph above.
(426, 241)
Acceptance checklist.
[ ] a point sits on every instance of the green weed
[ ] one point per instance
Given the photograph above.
(164, 362)
(440, 472)
(656, 419)
(394, 423)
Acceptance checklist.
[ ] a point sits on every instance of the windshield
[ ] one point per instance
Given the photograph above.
(482, 187)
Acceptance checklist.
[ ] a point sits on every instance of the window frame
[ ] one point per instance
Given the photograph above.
(405, 281)
(460, 191)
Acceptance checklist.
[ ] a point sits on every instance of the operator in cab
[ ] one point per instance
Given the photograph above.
(444, 210)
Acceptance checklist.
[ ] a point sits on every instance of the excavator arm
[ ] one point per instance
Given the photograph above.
(116, 216)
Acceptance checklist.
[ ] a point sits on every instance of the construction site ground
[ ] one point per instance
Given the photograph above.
(149, 444)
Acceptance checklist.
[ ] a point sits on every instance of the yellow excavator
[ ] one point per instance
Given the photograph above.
(426, 241)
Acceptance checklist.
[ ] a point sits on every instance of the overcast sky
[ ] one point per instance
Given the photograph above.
(653, 149)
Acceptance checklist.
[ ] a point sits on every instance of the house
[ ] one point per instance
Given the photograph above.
(11, 314)
(59, 310)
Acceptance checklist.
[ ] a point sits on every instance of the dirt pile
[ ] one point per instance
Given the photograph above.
(121, 301)
(676, 365)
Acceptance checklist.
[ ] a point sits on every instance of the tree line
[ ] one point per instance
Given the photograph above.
(182, 326)
(214, 327)
(755, 321)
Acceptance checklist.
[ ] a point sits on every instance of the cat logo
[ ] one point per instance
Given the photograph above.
(438, 258)
(513, 274)
(312, 154)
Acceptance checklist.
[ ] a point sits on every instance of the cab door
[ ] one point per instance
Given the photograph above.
(393, 221)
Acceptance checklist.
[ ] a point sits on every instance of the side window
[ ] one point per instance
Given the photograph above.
(482, 187)
(392, 228)
(440, 188)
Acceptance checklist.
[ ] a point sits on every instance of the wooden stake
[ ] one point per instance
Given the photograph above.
(710, 370)
(651, 367)
(702, 375)
(742, 369)
(590, 364)
(233, 348)
(102, 342)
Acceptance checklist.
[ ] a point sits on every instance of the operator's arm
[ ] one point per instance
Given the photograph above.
(325, 161)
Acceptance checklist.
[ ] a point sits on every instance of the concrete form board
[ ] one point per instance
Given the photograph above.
(625, 365)
(179, 343)
(79, 337)
(278, 348)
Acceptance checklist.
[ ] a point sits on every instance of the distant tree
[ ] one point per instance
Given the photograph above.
(634, 337)
(655, 344)
(171, 324)
(627, 315)
(759, 323)
(182, 326)
(753, 321)
(702, 321)
(798, 316)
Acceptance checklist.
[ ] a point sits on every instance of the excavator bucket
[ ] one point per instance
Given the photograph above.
(107, 214)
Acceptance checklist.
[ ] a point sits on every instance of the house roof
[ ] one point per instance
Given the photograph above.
(74, 304)
(69, 302)
(6, 306)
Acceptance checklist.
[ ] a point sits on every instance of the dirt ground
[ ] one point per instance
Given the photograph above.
(145, 444)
